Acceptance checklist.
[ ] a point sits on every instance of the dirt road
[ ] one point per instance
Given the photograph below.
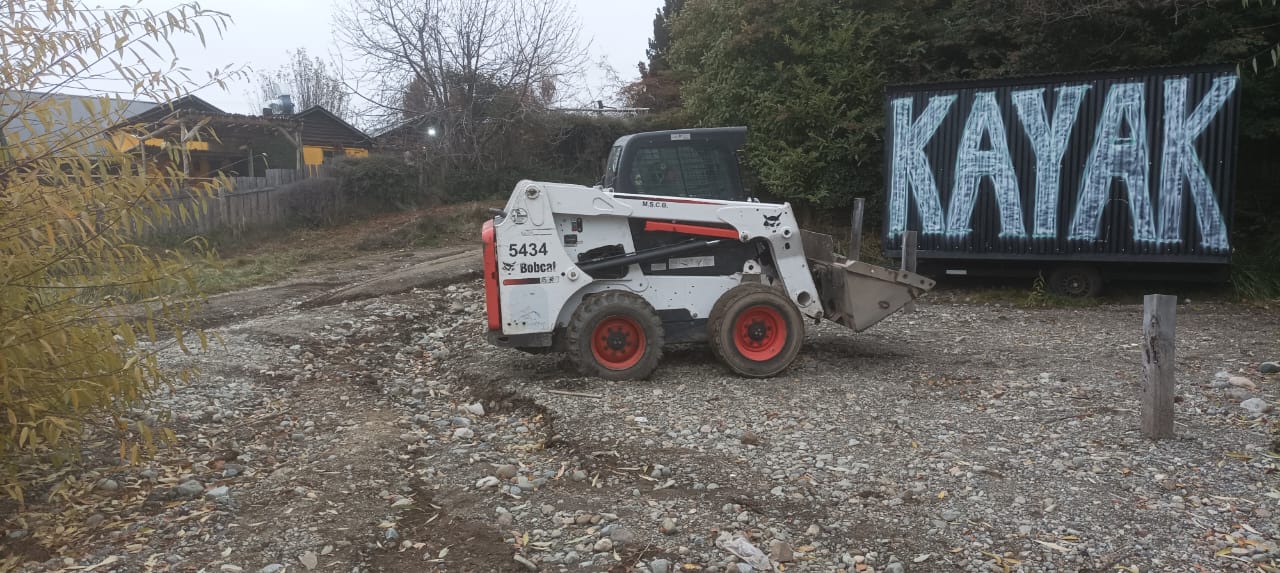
(383, 434)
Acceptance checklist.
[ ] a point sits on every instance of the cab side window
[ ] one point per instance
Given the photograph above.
(690, 169)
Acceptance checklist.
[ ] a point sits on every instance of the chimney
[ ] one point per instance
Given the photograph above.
(266, 112)
(286, 104)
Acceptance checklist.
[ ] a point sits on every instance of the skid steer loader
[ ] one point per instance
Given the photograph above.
(667, 249)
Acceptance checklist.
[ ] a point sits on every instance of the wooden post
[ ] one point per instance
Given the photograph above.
(855, 230)
(186, 154)
(1159, 313)
(909, 262)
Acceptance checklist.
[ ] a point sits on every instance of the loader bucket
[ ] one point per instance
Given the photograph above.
(858, 295)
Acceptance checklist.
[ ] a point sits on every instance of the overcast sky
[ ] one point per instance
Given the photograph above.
(263, 31)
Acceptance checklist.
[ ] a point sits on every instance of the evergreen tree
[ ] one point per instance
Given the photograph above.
(659, 86)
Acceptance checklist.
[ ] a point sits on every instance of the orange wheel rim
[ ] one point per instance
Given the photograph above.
(760, 333)
(618, 342)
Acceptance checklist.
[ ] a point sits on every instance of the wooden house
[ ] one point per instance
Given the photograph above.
(211, 141)
(326, 137)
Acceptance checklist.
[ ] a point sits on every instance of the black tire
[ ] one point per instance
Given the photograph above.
(755, 330)
(1076, 281)
(615, 335)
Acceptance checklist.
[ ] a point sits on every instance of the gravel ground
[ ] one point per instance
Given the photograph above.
(385, 435)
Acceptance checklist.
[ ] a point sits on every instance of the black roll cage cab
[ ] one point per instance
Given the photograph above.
(727, 141)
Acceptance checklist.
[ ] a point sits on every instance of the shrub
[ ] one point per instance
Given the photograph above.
(72, 356)
(313, 202)
(378, 182)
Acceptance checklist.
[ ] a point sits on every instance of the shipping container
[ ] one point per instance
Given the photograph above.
(1080, 178)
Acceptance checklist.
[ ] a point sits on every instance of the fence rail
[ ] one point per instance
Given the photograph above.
(282, 195)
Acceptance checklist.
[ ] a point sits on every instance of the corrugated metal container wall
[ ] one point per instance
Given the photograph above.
(1118, 166)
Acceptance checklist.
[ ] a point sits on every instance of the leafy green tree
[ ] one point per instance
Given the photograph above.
(659, 86)
(73, 355)
(807, 76)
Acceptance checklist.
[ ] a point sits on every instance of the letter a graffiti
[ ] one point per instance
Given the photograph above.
(1114, 156)
(974, 163)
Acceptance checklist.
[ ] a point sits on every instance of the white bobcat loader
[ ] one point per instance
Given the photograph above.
(668, 249)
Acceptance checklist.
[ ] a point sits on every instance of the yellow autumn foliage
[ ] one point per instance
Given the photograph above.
(83, 309)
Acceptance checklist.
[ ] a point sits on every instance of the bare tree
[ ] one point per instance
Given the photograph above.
(309, 81)
(469, 68)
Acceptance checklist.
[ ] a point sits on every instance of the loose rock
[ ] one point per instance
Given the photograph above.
(1242, 382)
(1256, 406)
(622, 536)
(309, 560)
(780, 551)
(525, 562)
(744, 550)
(189, 489)
(506, 472)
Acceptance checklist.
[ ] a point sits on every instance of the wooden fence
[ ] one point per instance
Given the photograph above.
(282, 196)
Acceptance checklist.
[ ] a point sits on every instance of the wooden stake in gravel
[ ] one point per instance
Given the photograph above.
(855, 231)
(909, 262)
(1158, 318)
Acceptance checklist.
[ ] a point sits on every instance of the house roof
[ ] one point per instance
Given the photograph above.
(190, 103)
(322, 127)
(230, 129)
(407, 132)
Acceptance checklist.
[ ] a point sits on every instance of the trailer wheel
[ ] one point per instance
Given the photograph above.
(1076, 281)
(755, 330)
(616, 336)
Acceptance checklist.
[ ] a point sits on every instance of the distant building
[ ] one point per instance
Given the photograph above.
(211, 141)
(74, 125)
(215, 142)
(326, 137)
(406, 135)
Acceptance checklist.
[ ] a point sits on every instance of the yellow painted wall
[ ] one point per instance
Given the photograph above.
(314, 154)
(124, 142)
